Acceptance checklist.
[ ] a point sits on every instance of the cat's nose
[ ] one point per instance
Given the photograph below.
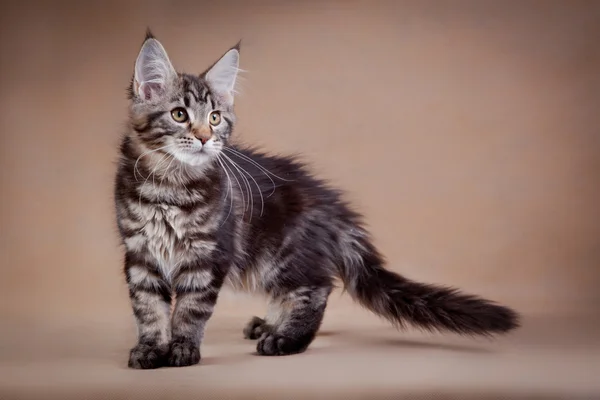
(202, 134)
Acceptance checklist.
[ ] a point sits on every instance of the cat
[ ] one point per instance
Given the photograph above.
(195, 212)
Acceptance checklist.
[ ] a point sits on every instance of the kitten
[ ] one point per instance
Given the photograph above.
(195, 212)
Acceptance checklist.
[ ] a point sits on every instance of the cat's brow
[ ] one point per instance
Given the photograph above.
(190, 87)
(194, 95)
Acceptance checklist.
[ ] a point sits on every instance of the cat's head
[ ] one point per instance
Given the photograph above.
(188, 116)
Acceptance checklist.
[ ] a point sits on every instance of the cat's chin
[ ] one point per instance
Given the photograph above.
(194, 159)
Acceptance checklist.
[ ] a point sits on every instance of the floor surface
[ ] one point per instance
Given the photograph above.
(355, 356)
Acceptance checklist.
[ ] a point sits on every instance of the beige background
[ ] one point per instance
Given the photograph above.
(467, 132)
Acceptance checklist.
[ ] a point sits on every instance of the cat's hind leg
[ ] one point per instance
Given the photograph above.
(292, 321)
(255, 328)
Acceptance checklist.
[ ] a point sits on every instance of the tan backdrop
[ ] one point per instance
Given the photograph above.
(467, 132)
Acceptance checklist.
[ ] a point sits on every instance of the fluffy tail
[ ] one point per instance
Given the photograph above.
(430, 307)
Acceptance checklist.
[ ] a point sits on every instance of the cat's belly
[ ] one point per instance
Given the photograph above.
(252, 278)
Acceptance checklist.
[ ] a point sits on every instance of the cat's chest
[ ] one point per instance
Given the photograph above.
(169, 236)
(163, 221)
(166, 231)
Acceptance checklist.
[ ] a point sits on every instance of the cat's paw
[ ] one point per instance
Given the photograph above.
(184, 353)
(272, 344)
(255, 328)
(144, 356)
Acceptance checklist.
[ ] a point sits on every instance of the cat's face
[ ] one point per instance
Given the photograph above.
(189, 117)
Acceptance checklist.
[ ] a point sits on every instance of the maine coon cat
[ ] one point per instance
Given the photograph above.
(196, 212)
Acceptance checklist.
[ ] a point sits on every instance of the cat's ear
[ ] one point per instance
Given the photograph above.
(223, 74)
(153, 70)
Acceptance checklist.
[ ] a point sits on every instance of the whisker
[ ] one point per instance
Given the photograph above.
(262, 200)
(245, 205)
(164, 157)
(242, 155)
(162, 178)
(229, 192)
(268, 177)
(135, 168)
(246, 182)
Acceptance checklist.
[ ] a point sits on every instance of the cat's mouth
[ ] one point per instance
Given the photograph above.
(192, 149)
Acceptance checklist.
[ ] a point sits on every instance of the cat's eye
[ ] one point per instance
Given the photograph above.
(179, 114)
(214, 118)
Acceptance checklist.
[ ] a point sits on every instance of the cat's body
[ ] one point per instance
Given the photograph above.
(195, 213)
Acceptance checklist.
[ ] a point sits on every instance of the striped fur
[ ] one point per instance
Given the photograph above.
(195, 216)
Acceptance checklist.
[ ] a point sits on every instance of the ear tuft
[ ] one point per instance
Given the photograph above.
(223, 74)
(153, 70)
(149, 34)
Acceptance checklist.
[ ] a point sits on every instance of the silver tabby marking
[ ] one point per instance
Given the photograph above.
(195, 212)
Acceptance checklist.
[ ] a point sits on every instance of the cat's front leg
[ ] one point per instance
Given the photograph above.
(196, 288)
(151, 300)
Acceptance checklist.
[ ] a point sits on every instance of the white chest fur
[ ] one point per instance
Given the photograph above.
(164, 228)
(168, 236)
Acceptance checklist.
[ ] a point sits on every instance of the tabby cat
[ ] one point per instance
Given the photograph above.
(196, 212)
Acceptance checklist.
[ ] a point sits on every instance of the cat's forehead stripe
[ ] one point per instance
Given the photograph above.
(197, 89)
